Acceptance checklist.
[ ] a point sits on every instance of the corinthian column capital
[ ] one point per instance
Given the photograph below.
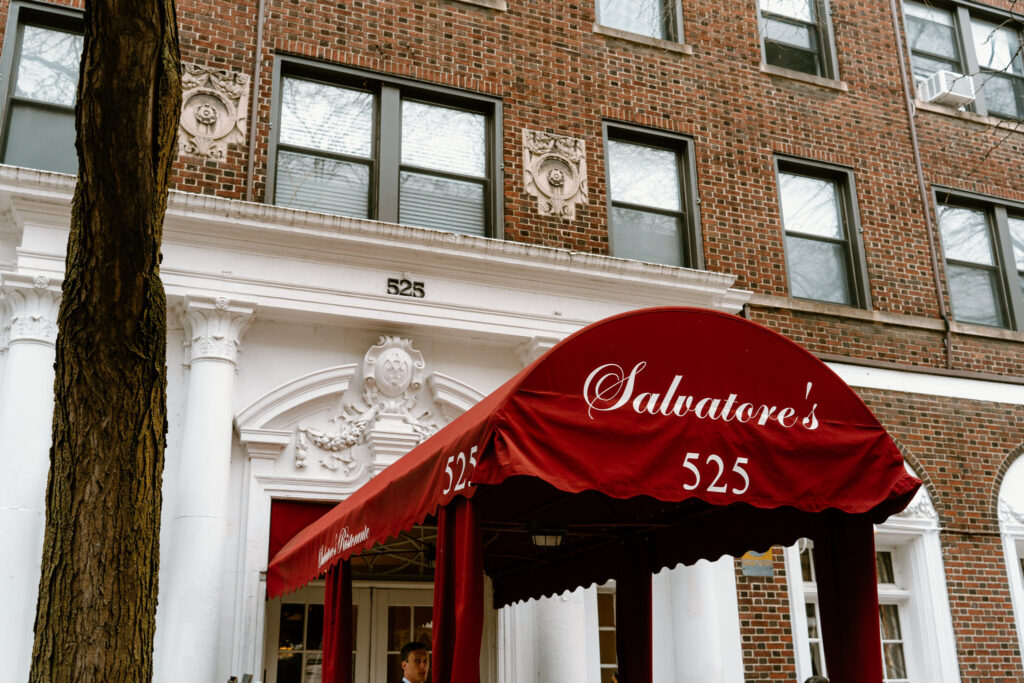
(28, 309)
(214, 327)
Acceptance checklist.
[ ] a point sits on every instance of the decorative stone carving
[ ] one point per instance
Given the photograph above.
(535, 347)
(214, 327)
(384, 417)
(555, 170)
(1009, 514)
(920, 507)
(213, 111)
(32, 304)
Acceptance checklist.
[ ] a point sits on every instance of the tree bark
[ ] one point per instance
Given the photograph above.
(95, 617)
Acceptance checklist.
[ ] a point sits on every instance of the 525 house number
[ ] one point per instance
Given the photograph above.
(403, 287)
(711, 475)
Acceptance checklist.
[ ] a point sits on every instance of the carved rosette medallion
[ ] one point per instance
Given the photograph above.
(555, 172)
(213, 111)
(384, 418)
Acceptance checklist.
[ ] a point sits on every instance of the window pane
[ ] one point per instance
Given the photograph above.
(1017, 237)
(926, 66)
(289, 667)
(883, 567)
(444, 139)
(326, 117)
(441, 203)
(788, 57)
(646, 236)
(423, 624)
(605, 609)
(931, 30)
(607, 647)
(965, 235)
(889, 617)
(895, 665)
(646, 17)
(975, 295)
(807, 564)
(399, 626)
(812, 620)
(315, 628)
(325, 185)
(810, 206)
(1004, 95)
(48, 65)
(314, 666)
(290, 637)
(817, 270)
(643, 175)
(606, 674)
(41, 138)
(791, 34)
(795, 9)
(998, 47)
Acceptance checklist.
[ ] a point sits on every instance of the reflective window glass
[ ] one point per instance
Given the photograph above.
(646, 17)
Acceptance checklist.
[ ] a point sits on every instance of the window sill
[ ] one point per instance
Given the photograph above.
(790, 74)
(952, 112)
(882, 317)
(666, 45)
(499, 5)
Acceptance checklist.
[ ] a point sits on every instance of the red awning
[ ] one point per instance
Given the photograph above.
(700, 431)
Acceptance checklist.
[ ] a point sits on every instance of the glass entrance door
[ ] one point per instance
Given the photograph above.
(386, 618)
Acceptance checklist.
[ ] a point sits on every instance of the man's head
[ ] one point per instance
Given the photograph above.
(415, 662)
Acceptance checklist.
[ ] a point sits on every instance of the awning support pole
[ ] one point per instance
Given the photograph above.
(633, 631)
(458, 594)
(844, 566)
(337, 655)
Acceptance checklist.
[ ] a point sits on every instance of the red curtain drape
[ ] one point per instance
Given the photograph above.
(337, 656)
(844, 566)
(458, 594)
(633, 632)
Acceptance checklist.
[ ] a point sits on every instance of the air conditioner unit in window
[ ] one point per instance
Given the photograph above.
(947, 88)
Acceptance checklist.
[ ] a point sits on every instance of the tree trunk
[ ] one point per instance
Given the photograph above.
(97, 595)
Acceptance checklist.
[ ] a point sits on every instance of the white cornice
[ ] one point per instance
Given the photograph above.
(302, 265)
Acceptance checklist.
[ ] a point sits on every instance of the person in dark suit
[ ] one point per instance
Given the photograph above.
(415, 663)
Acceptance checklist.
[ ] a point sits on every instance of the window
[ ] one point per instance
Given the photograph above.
(953, 37)
(823, 249)
(651, 211)
(300, 643)
(984, 249)
(652, 18)
(796, 35)
(914, 619)
(894, 660)
(609, 662)
(39, 102)
(386, 149)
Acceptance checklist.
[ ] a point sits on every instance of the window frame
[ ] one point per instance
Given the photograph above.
(856, 264)
(828, 54)
(22, 13)
(673, 23)
(385, 163)
(691, 241)
(996, 212)
(962, 12)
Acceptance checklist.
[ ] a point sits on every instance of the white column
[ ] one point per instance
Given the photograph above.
(560, 631)
(26, 417)
(705, 623)
(189, 644)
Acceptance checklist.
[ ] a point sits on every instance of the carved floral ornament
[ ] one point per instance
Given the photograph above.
(213, 111)
(383, 417)
(555, 170)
